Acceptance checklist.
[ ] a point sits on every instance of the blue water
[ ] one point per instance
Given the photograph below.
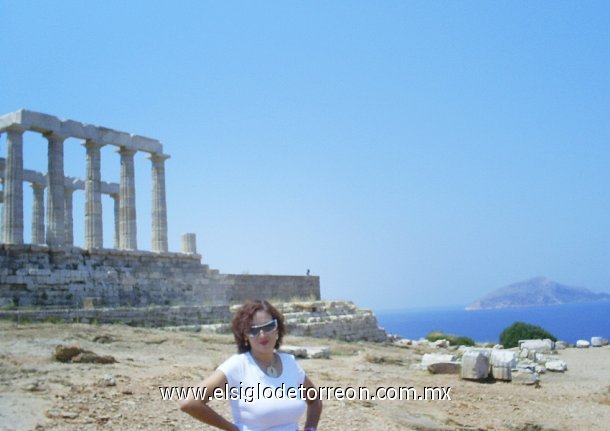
(568, 322)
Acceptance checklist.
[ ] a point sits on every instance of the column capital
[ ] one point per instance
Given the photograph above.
(124, 151)
(37, 186)
(158, 157)
(15, 128)
(89, 143)
(52, 136)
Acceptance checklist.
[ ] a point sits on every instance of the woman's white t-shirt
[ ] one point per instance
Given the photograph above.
(249, 388)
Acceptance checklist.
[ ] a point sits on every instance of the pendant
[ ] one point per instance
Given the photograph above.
(271, 371)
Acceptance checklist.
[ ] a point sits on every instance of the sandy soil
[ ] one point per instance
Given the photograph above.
(37, 392)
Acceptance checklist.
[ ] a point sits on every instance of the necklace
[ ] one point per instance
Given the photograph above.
(270, 370)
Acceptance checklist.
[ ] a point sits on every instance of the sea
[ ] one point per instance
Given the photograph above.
(567, 322)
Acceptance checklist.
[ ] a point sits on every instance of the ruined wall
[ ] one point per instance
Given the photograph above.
(39, 276)
(136, 316)
(272, 287)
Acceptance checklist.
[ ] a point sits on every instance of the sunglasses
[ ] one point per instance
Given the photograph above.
(266, 328)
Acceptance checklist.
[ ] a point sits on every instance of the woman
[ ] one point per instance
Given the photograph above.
(258, 380)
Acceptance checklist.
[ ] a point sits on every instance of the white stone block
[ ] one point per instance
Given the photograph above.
(432, 358)
(524, 376)
(556, 365)
(582, 344)
(541, 346)
(475, 365)
(598, 341)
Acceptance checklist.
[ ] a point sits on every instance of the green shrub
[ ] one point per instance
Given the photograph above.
(523, 331)
(454, 340)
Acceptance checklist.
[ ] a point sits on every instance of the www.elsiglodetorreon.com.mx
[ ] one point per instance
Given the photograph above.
(348, 393)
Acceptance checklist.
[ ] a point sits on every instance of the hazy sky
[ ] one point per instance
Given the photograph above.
(409, 153)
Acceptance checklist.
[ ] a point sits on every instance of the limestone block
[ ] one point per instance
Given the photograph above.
(454, 367)
(561, 345)
(318, 352)
(556, 365)
(540, 346)
(475, 365)
(539, 357)
(502, 362)
(582, 344)
(441, 343)
(432, 358)
(524, 376)
(598, 341)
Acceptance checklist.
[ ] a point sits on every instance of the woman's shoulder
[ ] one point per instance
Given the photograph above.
(234, 361)
(287, 356)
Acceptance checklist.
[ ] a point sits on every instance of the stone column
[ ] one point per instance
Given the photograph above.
(69, 241)
(12, 209)
(117, 235)
(159, 205)
(94, 236)
(127, 211)
(189, 243)
(56, 228)
(38, 214)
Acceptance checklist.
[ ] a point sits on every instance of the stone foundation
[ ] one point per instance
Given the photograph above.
(332, 319)
(155, 316)
(70, 277)
(324, 319)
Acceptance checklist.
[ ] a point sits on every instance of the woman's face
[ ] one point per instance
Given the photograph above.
(264, 342)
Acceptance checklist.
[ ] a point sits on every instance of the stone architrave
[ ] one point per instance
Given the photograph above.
(38, 214)
(68, 222)
(127, 201)
(159, 205)
(56, 228)
(117, 207)
(94, 237)
(12, 208)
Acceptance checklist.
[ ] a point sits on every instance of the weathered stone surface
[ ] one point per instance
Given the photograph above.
(475, 365)
(306, 352)
(445, 367)
(582, 344)
(107, 380)
(92, 358)
(524, 376)
(556, 365)
(318, 352)
(561, 345)
(540, 346)
(598, 341)
(502, 362)
(35, 276)
(433, 358)
(66, 353)
(63, 414)
(76, 354)
(296, 351)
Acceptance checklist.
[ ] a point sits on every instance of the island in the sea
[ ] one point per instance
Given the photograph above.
(535, 292)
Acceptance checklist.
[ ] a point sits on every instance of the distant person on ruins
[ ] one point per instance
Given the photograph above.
(256, 371)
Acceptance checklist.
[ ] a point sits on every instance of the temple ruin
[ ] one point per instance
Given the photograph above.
(50, 273)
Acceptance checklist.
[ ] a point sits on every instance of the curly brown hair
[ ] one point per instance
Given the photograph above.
(243, 320)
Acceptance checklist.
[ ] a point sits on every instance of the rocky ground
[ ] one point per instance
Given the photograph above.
(39, 393)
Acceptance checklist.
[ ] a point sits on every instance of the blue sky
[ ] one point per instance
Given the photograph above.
(410, 153)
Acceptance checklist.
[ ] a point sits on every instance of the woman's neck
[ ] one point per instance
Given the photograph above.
(264, 358)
